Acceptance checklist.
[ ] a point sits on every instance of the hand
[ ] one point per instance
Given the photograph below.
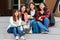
(31, 17)
(39, 18)
(23, 23)
(28, 16)
(16, 24)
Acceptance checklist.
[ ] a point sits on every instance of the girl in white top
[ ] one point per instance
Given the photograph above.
(15, 25)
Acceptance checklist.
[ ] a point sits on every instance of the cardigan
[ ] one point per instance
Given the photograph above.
(12, 23)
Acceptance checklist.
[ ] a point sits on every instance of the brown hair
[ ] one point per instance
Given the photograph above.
(33, 4)
(45, 8)
(14, 17)
(25, 8)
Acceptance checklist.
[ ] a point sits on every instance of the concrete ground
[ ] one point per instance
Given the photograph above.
(54, 33)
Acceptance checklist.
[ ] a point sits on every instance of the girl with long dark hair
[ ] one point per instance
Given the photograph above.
(42, 17)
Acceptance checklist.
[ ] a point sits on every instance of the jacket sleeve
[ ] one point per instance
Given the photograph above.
(37, 15)
(26, 17)
(47, 14)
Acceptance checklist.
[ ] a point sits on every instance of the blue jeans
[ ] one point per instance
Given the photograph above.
(17, 31)
(43, 26)
(35, 27)
(31, 21)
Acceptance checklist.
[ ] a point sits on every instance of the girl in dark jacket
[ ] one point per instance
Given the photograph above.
(42, 17)
(32, 14)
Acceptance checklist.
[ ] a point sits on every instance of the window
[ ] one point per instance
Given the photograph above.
(9, 4)
(37, 2)
(15, 4)
(59, 7)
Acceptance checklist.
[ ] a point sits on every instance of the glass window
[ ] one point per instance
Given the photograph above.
(15, 4)
(15, 1)
(38, 1)
(59, 7)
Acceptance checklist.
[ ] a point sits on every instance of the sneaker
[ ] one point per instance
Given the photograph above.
(30, 31)
(44, 32)
(22, 38)
(17, 37)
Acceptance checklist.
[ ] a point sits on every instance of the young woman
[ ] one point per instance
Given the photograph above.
(24, 14)
(42, 17)
(15, 25)
(32, 13)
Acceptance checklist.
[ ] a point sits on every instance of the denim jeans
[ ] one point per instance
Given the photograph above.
(43, 26)
(17, 31)
(34, 25)
(31, 21)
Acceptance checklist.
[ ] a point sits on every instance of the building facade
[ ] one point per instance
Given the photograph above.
(6, 6)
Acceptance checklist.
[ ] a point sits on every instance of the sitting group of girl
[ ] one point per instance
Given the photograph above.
(23, 20)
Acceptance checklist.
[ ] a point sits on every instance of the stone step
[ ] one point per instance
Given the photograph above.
(4, 19)
(54, 33)
(35, 37)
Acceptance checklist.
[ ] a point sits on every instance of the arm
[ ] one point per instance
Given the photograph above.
(11, 21)
(47, 14)
(37, 15)
(26, 17)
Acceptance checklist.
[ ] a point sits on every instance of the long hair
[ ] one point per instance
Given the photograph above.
(45, 8)
(33, 4)
(14, 17)
(25, 8)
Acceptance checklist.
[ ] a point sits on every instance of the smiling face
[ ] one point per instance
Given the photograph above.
(23, 8)
(32, 6)
(16, 13)
(41, 6)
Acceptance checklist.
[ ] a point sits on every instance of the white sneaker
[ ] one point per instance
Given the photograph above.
(30, 31)
(44, 32)
(17, 37)
(22, 38)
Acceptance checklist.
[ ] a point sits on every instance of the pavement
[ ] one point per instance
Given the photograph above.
(54, 32)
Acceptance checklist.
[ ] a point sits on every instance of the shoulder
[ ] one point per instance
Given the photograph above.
(47, 10)
(11, 17)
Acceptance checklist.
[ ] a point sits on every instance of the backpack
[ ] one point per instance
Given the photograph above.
(52, 19)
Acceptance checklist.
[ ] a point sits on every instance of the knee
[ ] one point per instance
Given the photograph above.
(18, 28)
(38, 22)
(46, 19)
(14, 29)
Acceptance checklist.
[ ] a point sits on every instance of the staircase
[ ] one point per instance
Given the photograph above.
(54, 33)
